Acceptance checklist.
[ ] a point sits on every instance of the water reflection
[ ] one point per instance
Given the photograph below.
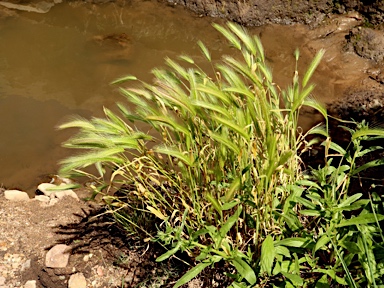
(60, 63)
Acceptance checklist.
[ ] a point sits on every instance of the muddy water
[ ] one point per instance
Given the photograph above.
(60, 63)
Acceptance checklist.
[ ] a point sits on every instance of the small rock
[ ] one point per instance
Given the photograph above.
(30, 284)
(77, 281)
(26, 265)
(45, 188)
(100, 271)
(16, 195)
(53, 201)
(42, 198)
(2, 280)
(57, 256)
(61, 194)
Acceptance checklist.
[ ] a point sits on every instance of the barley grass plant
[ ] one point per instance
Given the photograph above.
(215, 169)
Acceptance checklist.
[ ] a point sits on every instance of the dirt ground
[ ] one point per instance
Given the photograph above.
(100, 250)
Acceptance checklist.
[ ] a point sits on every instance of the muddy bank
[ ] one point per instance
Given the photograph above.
(259, 12)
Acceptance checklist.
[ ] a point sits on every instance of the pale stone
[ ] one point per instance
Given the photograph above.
(57, 256)
(16, 195)
(30, 284)
(53, 201)
(45, 188)
(26, 265)
(64, 193)
(2, 280)
(77, 281)
(42, 198)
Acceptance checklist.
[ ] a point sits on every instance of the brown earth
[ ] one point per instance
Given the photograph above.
(259, 12)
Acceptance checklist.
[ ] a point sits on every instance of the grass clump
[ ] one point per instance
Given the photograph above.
(218, 174)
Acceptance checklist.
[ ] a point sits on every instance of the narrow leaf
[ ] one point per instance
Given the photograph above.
(361, 219)
(192, 273)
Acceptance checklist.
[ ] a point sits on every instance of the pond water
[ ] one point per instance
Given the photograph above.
(60, 63)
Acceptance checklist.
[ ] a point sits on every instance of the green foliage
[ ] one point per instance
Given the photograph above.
(218, 173)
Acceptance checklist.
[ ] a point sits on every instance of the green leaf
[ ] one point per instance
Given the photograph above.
(295, 279)
(236, 128)
(368, 165)
(124, 79)
(361, 219)
(323, 282)
(337, 148)
(323, 240)
(312, 67)
(367, 132)
(267, 255)
(204, 50)
(297, 242)
(281, 250)
(244, 270)
(169, 253)
(305, 202)
(350, 200)
(192, 273)
(230, 222)
(229, 205)
(215, 204)
(174, 153)
(310, 212)
(230, 36)
(231, 191)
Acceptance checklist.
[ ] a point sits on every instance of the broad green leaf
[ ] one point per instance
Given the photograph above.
(282, 250)
(361, 219)
(295, 279)
(244, 270)
(323, 282)
(192, 273)
(267, 255)
(323, 240)
(351, 246)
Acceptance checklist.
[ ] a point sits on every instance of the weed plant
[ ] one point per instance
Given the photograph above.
(218, 173)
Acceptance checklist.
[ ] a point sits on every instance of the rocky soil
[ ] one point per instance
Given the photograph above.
(56, 240)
